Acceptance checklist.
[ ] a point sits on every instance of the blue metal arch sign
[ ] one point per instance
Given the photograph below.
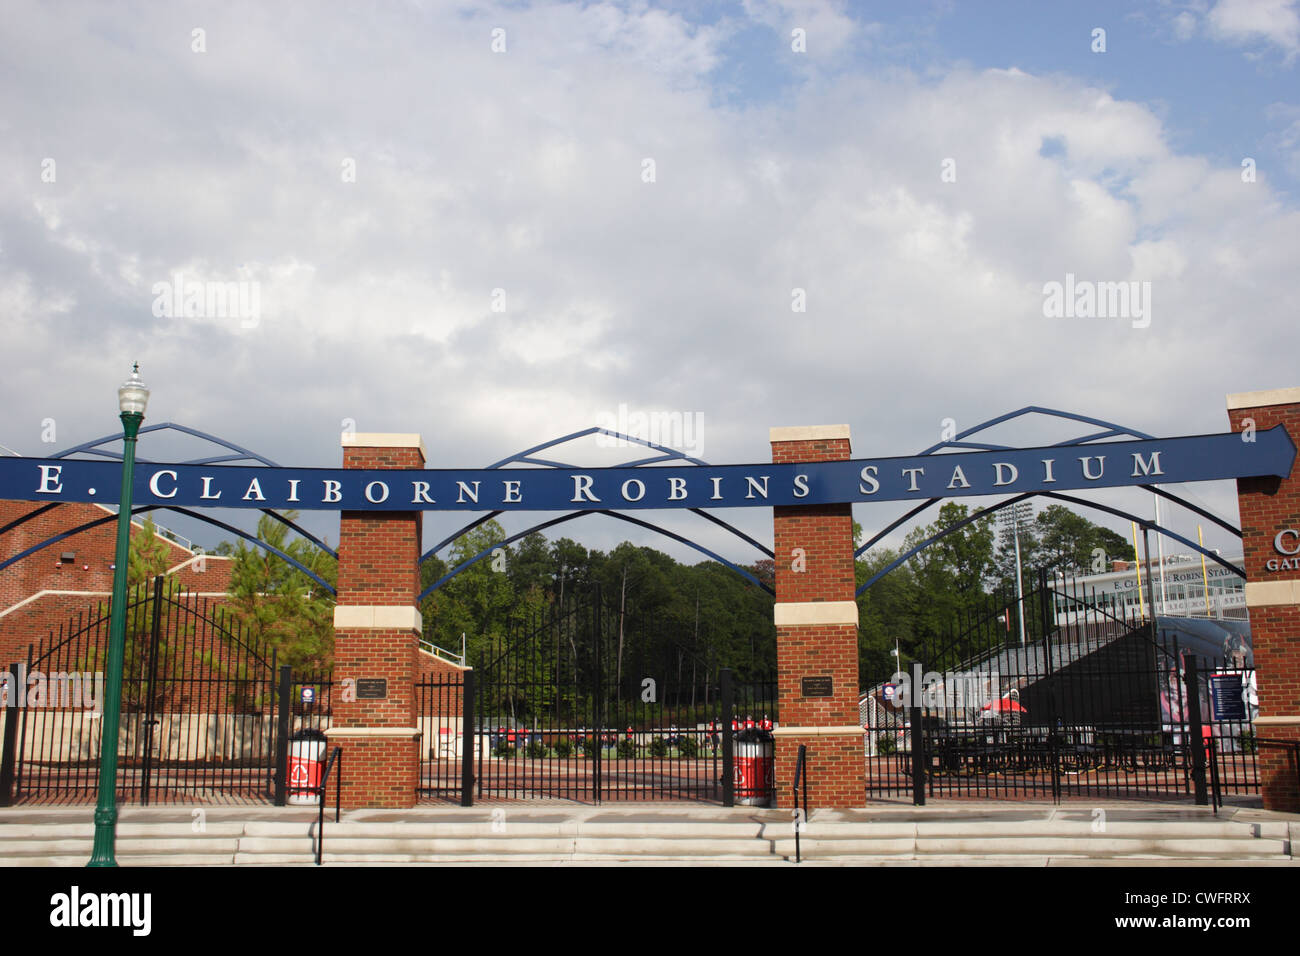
(967, 474)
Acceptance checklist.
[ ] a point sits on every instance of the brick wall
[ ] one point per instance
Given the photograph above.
(814, 565)
(40, 594)
(1267, 506)
(379, 578)
(827, 650)
(834, 766)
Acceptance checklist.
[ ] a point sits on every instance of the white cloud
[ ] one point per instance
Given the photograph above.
(522, 171)
(828, 29)
(1285, 138)
(1246, 21)
(1184, 25)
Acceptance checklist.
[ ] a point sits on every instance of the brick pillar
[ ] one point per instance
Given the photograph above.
(817, 633)
(1268, 506)
(376, 634)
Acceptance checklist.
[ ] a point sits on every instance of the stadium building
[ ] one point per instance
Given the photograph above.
(1183, 585)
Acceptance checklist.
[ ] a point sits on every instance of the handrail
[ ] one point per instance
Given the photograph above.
(1291, 745)
(800, 777)
(442, 653)
(319, 790)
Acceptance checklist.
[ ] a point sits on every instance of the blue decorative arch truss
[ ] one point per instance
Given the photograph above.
(1109, 430)
(529, 457)
(234, 453)
(534, 456)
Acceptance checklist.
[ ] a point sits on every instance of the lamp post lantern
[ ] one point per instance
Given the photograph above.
(132, 397)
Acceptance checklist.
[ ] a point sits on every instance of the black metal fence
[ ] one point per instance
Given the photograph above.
(592, 701)
(1091, 704)
(583, 702)
(588, 702)
(440, 702)
(198, 707)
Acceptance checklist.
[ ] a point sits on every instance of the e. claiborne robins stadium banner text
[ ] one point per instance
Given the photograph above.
(966, 474)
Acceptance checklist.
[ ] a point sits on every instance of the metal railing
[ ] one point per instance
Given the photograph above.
(1291, 745)
(800, 777)
(442, 653)
(335, 755)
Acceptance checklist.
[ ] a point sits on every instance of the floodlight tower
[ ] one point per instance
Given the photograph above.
(1009, 520)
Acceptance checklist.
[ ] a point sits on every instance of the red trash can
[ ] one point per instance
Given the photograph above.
(754, 768)
(306, 748)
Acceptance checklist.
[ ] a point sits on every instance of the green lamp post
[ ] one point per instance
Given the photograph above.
(132, 398)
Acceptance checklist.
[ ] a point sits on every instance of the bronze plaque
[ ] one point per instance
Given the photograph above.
(372, 688)
(816, 687)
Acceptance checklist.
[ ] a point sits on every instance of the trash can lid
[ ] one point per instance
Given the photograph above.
(308, 733)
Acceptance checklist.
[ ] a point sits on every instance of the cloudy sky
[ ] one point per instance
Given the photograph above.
(494, 224)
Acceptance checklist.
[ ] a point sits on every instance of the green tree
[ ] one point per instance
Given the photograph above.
(1071, 543)
(529, 567)
(276, 604)
(148, 555)
(478, 601)
(887, 617)
(639, 575)
(951, 574)
(571, 572)
(1031, 557)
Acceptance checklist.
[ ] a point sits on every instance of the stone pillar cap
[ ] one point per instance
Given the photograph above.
(1272, 396)
(809, 433)
(384, 440)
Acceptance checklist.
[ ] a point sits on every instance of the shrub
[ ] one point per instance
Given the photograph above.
(537, 749)
(503, 749)
(562, 747)
(658, 748)
(590, 746)
(626, 748)
(1248, 742)
(688, 747)
(886, 744)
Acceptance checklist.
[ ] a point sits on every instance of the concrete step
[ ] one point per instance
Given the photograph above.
(1083, 847)
(1043, 828)
(682, 846)
(534, 836)
(403, 846)
(1051, 828)
(1152, 845)
(168, 859)
(125, 846)
(75, 830)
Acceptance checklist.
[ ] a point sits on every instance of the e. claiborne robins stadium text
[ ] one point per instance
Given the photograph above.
(1011, 471)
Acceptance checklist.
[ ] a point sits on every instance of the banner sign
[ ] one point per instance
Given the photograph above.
(965, 474)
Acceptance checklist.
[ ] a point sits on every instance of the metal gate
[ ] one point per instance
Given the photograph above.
(595, 701)
(198, 707)
(1092, 704)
